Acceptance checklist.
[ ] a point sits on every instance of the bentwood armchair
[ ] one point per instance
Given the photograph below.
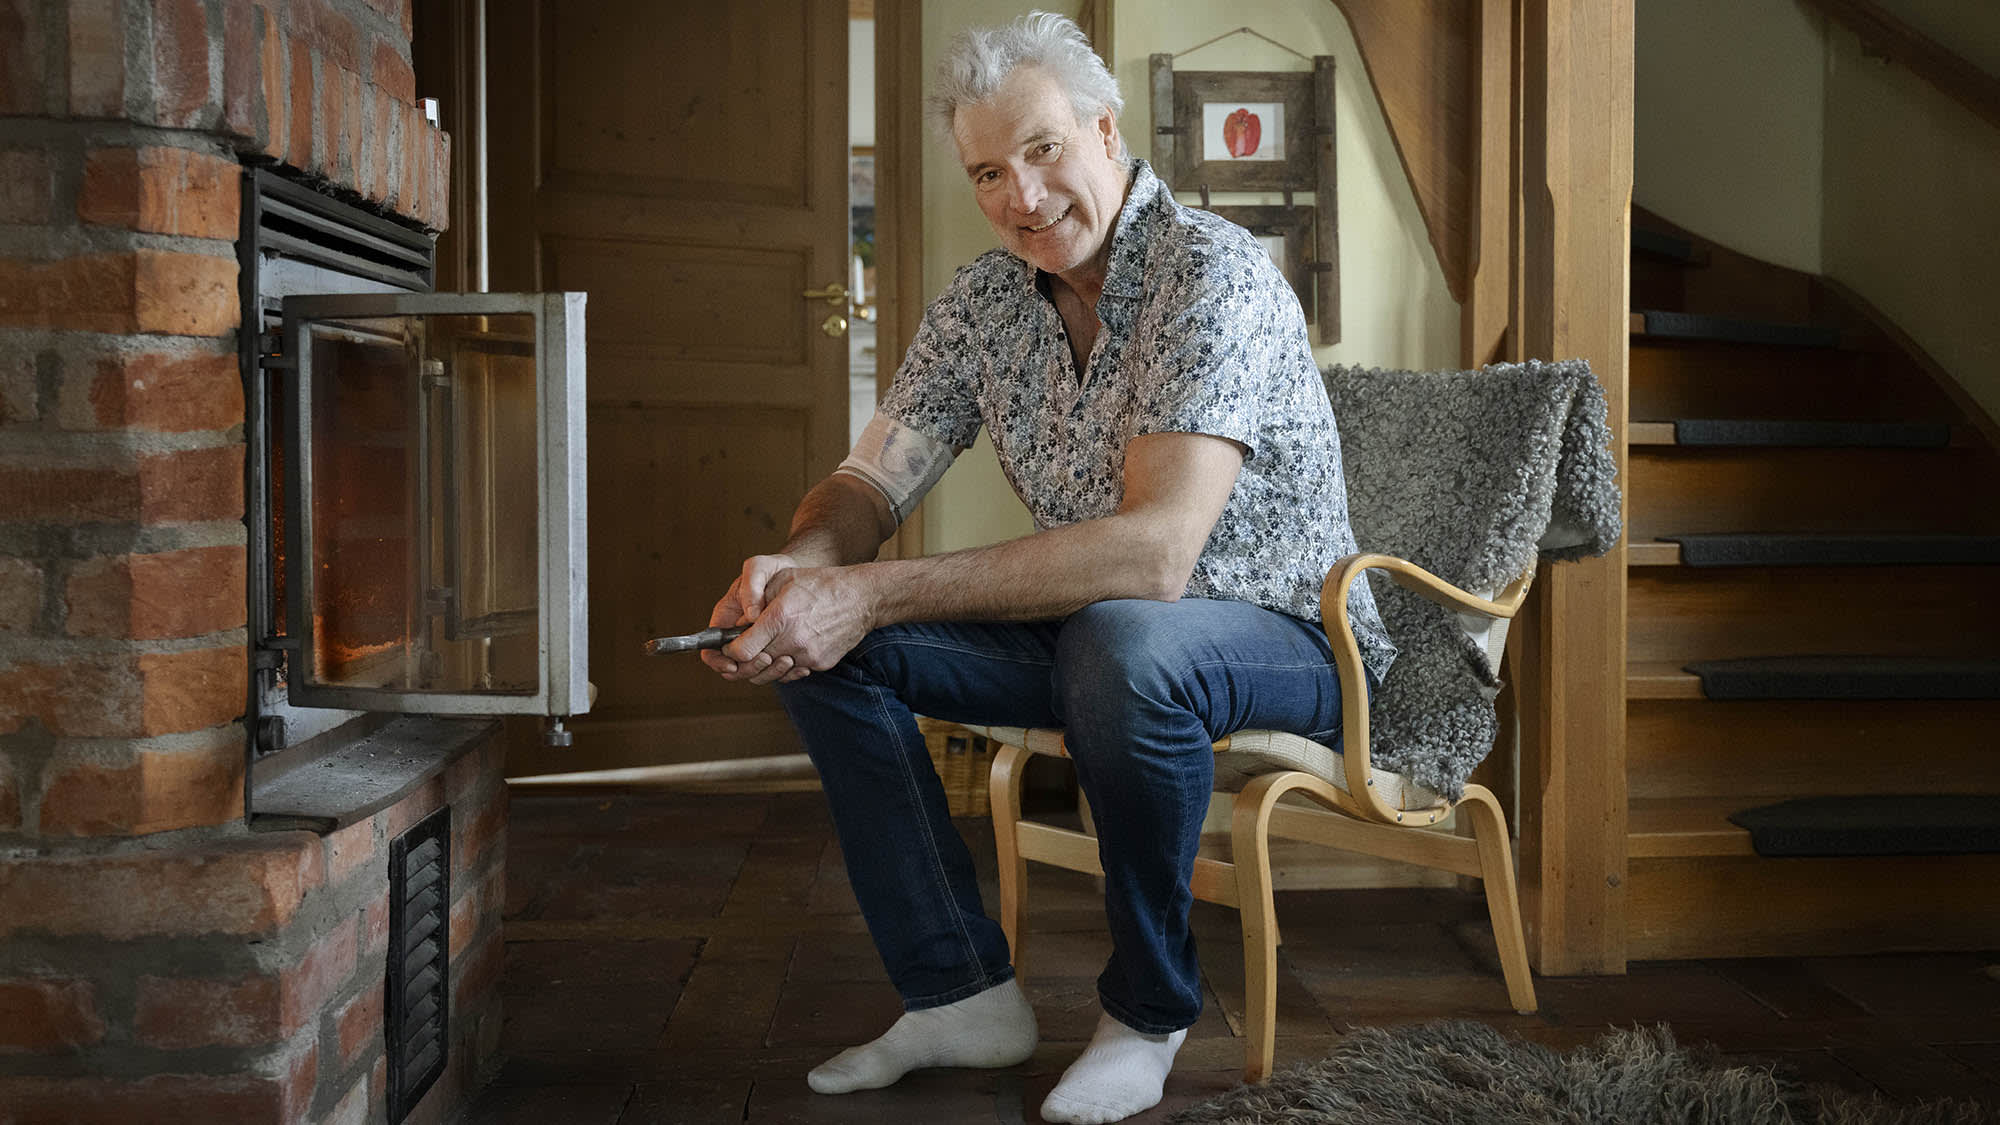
(1452, 495)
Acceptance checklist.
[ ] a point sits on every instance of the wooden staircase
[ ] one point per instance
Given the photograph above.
(1764, 403)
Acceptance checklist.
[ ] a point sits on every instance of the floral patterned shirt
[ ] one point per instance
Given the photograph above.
(1201, 334)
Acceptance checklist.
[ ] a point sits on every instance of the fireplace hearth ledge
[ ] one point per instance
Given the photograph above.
(355, 780)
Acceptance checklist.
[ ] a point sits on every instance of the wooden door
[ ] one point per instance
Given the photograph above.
(685, 165)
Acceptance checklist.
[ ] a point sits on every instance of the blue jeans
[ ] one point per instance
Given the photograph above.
(1142, 690)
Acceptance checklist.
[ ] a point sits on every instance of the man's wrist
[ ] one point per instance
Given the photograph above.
(865, 583)
(805, 552)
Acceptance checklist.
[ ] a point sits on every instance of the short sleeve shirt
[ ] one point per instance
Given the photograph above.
(1201, 334)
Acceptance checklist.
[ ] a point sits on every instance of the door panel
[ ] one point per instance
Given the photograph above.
(697, 490)
(727, 111)
(685, 165)
(709, 311)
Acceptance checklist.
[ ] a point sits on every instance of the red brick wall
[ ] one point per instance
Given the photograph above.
(261, 957)
(193, 970)
(123, 128)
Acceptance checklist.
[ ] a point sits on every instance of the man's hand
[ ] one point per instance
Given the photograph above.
(743, 604)
(805, 620)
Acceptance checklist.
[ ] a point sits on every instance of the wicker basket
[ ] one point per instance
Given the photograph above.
(963, 760)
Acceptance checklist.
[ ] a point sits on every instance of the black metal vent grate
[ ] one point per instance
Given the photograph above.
(293, 221)
(419, 970)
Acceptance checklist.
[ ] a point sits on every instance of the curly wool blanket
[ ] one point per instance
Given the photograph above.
(1466, 1072)
(1471, 475)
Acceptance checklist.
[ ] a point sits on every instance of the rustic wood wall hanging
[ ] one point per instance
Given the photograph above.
(1231, 131)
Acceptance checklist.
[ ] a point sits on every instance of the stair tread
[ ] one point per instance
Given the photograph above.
(1667, 432)
(1811, 432)
(1668, 827)
(1874, 824)
(1727, 549)
(1660, 680)
(1653, 552)
(1667, 324)
(1657, 827)
(1847, 677)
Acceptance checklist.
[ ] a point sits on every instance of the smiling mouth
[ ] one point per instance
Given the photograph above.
(1051, 222)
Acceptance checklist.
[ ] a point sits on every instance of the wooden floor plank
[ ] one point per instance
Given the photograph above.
(673, 1017)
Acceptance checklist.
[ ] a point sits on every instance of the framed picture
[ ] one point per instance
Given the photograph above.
(1221, 131)
(1287, 235)
(1244, 131)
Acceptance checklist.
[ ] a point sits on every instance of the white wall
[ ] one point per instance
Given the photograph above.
(1762, 127)
(1969, 28)
(861, 82)
(1730, 103)
(1913, 211)
(1396, 310)
(973, 504)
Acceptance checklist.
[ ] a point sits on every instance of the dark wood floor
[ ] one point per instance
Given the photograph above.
(686, 957)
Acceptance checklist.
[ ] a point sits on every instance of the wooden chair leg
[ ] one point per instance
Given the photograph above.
(1004, 795)
(1250, 848)
(1503, 901)
(1221, 811)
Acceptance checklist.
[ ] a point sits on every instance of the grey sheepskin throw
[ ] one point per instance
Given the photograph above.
(1471, 475)
(1467, 1073)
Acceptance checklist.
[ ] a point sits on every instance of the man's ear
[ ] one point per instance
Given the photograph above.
(1107, 128)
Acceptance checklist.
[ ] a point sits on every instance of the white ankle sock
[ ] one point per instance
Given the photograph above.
(989, 1029)
(1121, 1073)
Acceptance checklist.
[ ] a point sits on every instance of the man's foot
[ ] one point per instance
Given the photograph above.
(987, 1029)
(1121, 1073)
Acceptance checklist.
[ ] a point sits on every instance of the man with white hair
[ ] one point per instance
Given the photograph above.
(1144, 373)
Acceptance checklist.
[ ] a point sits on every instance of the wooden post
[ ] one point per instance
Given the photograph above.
(899, 208)
(1489, 299)
(1326, 202)
(1095, 20)
(1575, 200)
(1162, 74)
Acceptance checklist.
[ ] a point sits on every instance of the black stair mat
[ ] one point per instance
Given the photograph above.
(1848, 677)
(1693, 326)
(1744, 549)
(1754, 431)
(1930, 824)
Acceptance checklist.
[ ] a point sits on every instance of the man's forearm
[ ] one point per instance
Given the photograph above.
(1176, 486)
(1039, 577)
(842, 521)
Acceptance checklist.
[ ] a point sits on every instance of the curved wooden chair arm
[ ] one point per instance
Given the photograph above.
(1347, 654)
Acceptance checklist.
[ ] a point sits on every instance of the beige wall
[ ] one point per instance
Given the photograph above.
(973, 504)
(1396, 309)
(1913, 211)
(861, 84)
(1970, 28)
(1763, 128)
(1730, 99)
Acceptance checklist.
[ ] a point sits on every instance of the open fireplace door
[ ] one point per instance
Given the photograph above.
(686, 165)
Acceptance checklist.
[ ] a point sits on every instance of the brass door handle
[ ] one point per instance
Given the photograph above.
(835, 295)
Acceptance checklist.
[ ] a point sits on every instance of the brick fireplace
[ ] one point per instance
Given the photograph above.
(162, 957)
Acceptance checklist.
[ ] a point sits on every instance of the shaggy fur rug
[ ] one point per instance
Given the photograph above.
(1469, 1074)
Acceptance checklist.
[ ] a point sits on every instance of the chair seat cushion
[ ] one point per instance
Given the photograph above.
(1246, 754)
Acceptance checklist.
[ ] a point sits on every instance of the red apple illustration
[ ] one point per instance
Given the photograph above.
(1241, 131)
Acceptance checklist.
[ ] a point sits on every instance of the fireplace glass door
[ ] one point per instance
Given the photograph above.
(434, 496)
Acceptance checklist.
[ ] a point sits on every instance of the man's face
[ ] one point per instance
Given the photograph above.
(1050, 185)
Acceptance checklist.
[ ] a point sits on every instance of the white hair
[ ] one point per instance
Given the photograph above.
(981, 59)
